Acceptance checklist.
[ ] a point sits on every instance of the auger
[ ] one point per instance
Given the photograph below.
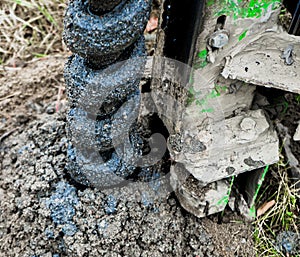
(102, 82)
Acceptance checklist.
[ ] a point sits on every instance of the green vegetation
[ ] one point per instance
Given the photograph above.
(30, 28)
(259, 184)
(283, 216)
(297, 98)
(243, 35)
(203, 103)
(225, 198)
(210, 2)
(202, 62)
(246, 9)
(42, 9)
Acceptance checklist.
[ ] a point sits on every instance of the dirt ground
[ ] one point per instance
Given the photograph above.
(44, 213)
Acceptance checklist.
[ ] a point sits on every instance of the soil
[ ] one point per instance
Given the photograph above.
(291, 120)
(44, 213)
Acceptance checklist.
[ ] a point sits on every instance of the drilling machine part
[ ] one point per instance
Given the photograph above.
(102, 81)
(100, 7)
(294, 8)
(295, 25)
(102, 39)
(217, 126)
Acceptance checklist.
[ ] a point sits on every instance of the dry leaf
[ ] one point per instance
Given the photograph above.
(265, 207)
(152, 24)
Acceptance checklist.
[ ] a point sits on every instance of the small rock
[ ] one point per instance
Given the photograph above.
(62, 203)
(50, 110)
(69, 229)
(110, 205)
(287, 55)
(297, 133)
(287, 242)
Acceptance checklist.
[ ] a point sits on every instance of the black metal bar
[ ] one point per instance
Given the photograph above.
(181, 23)
(295, 25)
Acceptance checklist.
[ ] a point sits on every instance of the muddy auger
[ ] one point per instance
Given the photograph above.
(102, 80)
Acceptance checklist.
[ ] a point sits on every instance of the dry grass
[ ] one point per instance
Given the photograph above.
(30, 28)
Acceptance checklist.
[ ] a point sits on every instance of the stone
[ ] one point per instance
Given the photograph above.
(297, 133)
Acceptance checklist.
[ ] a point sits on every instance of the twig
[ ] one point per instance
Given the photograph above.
(9, 96)
(7, 134)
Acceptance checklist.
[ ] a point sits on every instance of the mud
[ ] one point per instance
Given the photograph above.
(101, 134)
(103, 91)
(98, 7)
(45, 213)
(99, 84)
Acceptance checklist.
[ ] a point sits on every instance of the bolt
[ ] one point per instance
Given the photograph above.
(219, 38)
(248, 124)
(287, 55)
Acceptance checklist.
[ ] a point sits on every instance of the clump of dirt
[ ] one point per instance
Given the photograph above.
(239, 244)
(288, 242)
(44, 213)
